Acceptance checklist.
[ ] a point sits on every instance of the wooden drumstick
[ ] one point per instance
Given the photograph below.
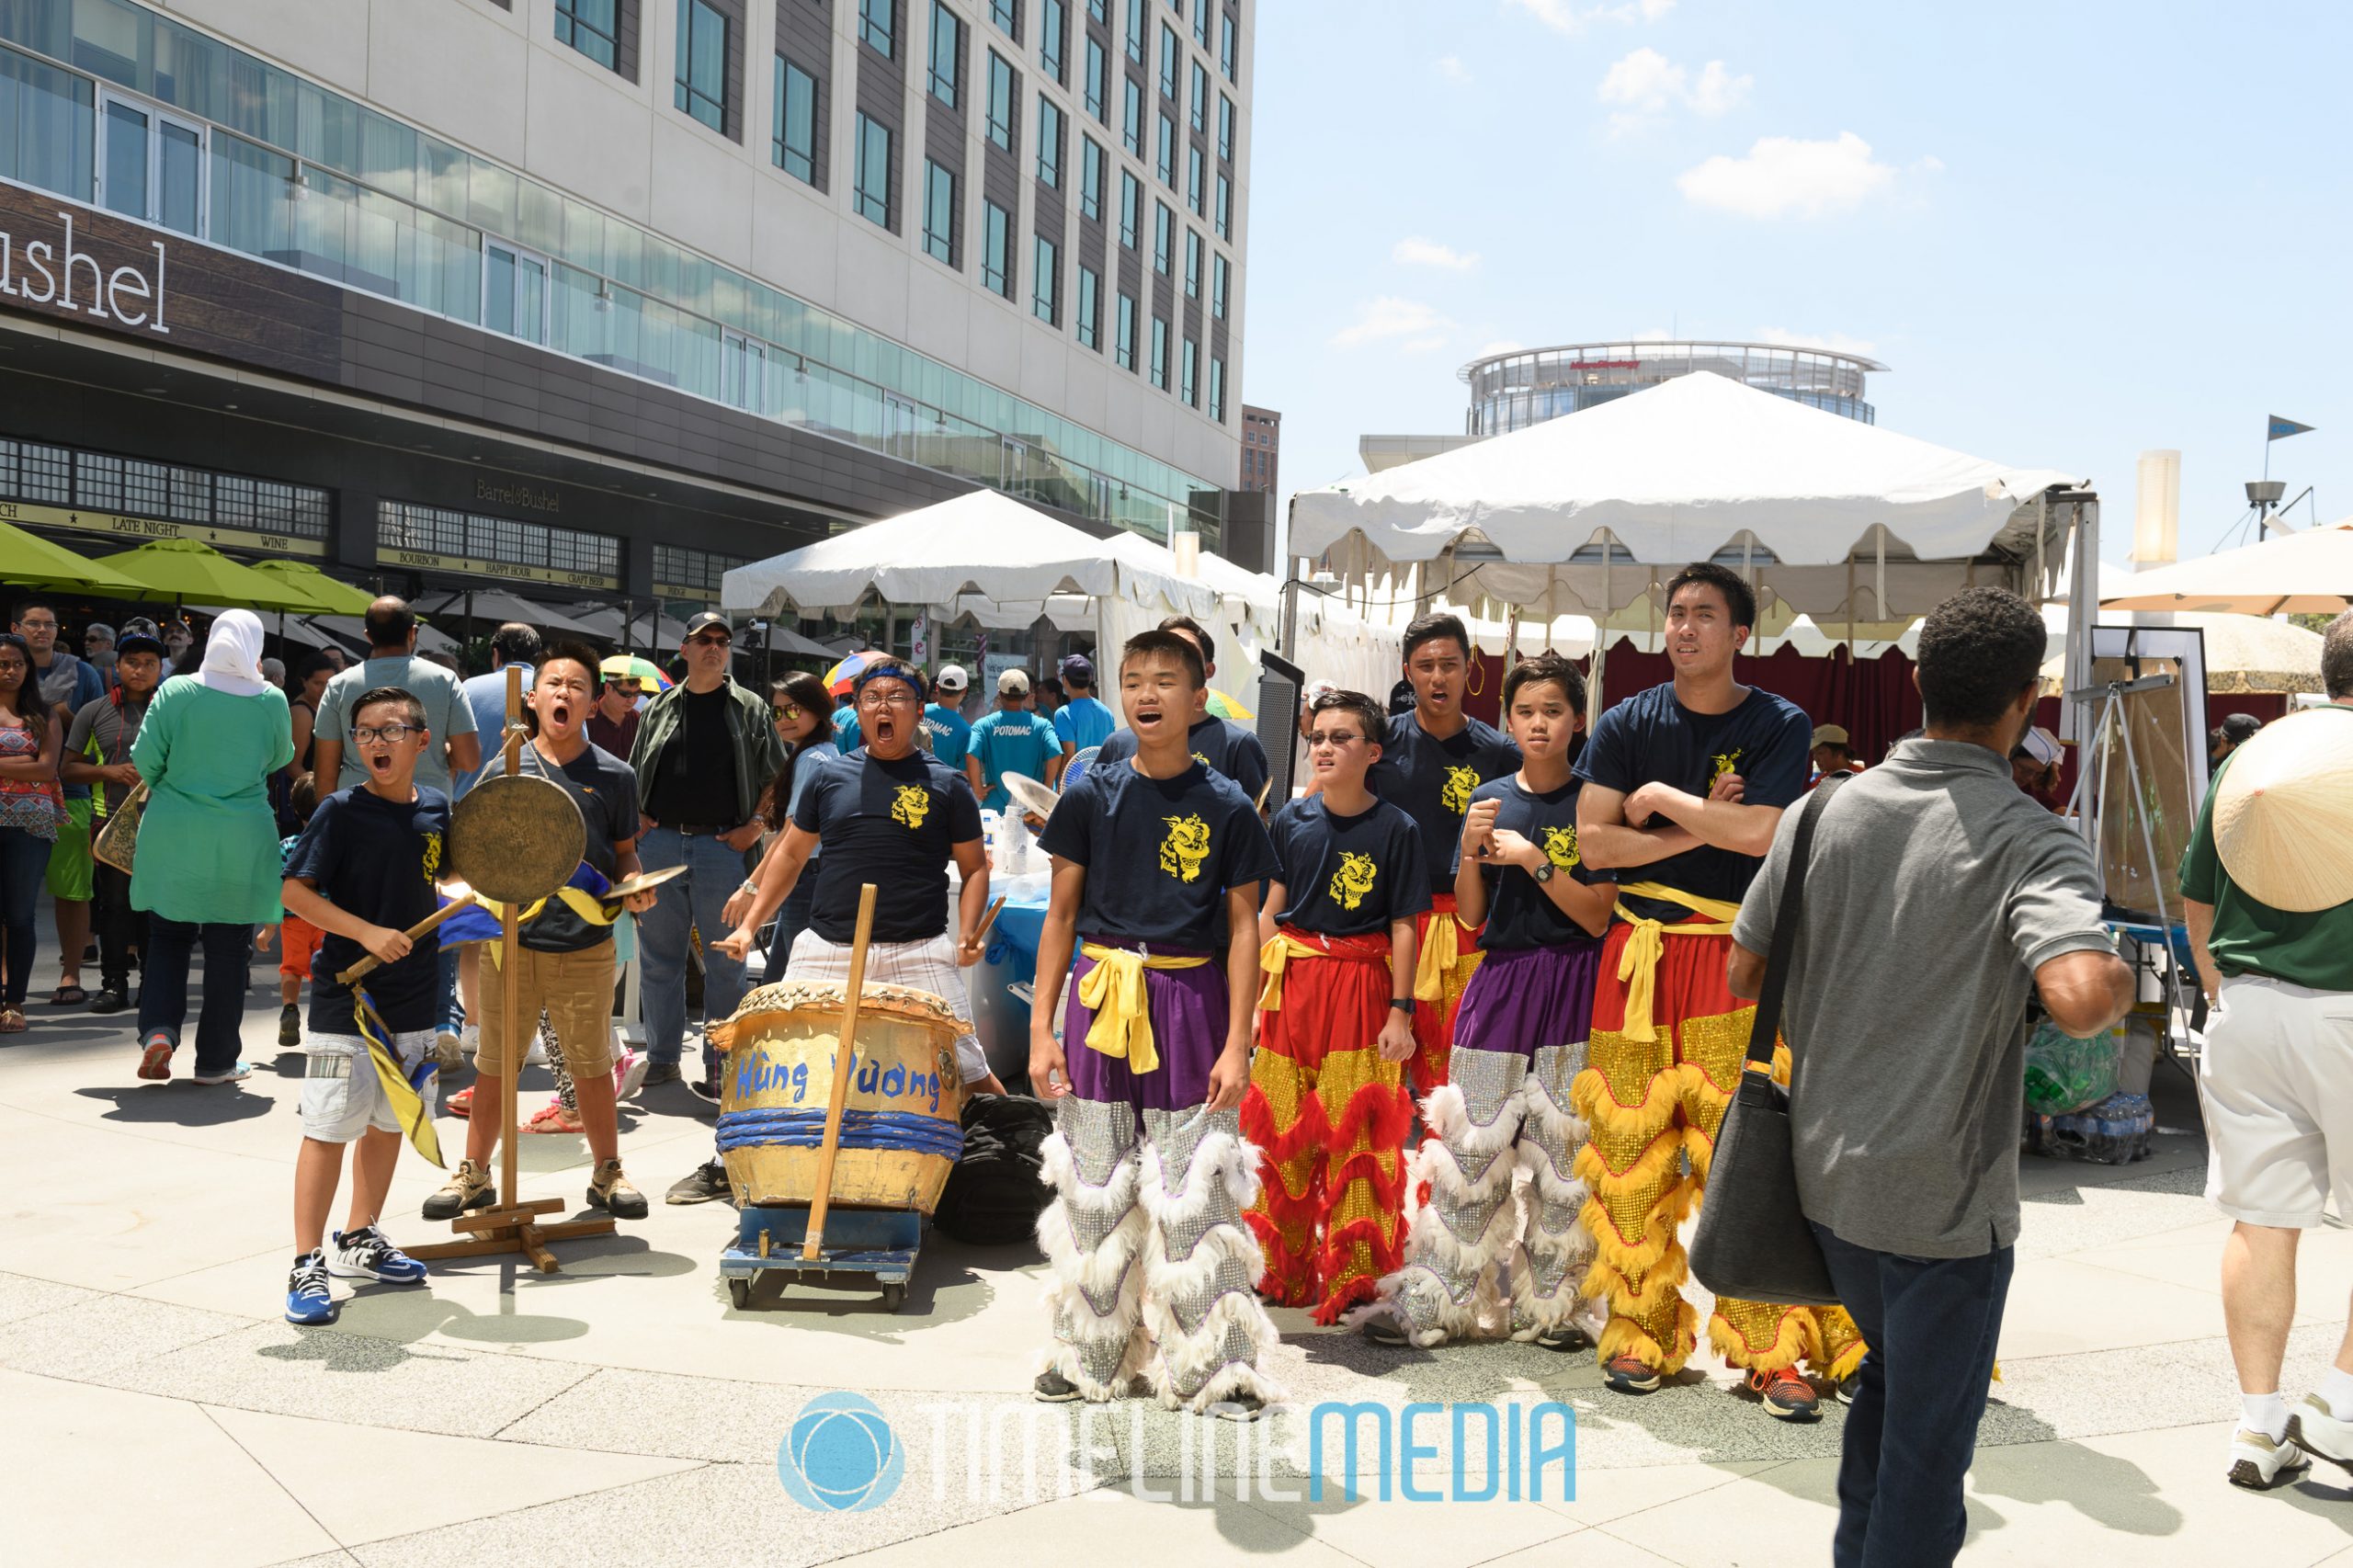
(996, 907)
(838, 1100)
(371, 963)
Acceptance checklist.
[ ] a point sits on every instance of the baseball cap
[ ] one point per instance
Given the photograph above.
(952, 677)
(1829, 735)
(139, 637)
(1078, 667)
(2041, 745)
(703, 621)
(2240, 728)
(1012, 683)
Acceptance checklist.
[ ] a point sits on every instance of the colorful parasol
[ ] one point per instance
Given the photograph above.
(630, 666)
(844, 675)
(1224, 707)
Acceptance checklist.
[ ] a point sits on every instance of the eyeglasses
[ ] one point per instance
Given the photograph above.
(706, 641)
(872, 699)
(1333, 737)
(43, 624)
(395, 733)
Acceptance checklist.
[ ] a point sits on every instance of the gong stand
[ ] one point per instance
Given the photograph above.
(505, 849)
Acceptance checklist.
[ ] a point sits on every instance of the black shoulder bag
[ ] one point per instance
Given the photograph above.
(1752, 1243)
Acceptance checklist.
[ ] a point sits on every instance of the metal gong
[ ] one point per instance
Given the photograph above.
(515, 837)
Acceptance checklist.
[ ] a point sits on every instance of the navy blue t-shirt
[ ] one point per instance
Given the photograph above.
(377, 860)
(605, 789)
(1520, 910)
(1161, 854)
(1219, 744)
(1347, 876)
(1652, 738)
(1432, 781)
(891, 823)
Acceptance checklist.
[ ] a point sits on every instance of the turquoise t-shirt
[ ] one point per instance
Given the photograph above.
(1007, 743)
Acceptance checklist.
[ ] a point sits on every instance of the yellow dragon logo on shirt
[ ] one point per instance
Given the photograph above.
(909, 807)
(432, 856)
(1723, 764)
(1353, 879)
(1203, 761)
(1561, 847)
(1460, 782)
(1187, 845)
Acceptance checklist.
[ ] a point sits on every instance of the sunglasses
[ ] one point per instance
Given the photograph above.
(788, 712)
(709, 641)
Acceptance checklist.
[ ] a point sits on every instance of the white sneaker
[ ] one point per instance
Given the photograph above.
(537, 1055)
(469, 1039)
(629, 1074)
(2316, 1429)
(2259, 1463)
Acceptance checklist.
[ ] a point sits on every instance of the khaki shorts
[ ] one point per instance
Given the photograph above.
(576, 989)
(2278, 1085)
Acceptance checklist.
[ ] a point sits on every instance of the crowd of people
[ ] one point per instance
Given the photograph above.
(1441, 1048)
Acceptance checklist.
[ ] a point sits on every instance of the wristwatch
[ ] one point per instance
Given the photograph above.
(755, 820)
(1403, 1003)
(1544, 871)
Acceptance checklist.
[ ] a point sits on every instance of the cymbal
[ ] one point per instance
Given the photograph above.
(629, 886)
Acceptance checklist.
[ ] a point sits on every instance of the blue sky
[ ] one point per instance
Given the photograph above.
(2074, 231)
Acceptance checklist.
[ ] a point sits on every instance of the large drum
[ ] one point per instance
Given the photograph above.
(902, 1121)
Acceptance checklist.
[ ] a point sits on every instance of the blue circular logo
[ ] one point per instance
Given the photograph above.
(840, 1456)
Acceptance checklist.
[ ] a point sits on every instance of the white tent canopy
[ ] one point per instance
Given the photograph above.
(2310, 572)
(1837, 517)
(983, 542)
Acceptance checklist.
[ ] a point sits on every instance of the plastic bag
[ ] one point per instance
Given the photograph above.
(2064, 1073)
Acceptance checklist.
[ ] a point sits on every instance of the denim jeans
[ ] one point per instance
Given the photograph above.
(791, 921)
(24, 864)
(453, 1007)
(1912, 1430)
(163, 991)
(695, 900)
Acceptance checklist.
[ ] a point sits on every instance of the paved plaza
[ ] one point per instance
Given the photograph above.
(161, 1411)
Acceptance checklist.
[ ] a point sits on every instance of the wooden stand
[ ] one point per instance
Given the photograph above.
(513, 1225)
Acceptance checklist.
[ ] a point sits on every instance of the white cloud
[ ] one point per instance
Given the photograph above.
(1390, 317)
(1648, 83)
(1419, 252)
(1836, 342)
(1565, 17)
(1784, 176)
(1451, 67)
(1500, 345)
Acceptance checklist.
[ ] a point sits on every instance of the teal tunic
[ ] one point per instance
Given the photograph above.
(207, 844)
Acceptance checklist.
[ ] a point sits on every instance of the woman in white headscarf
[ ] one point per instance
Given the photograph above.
(207, 870)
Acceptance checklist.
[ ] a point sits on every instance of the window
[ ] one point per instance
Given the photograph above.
(151, 164)
(1100, 10)
(1200, 97)
(1201, 22)
(796, 122)
(592, 26)
(1123, 345)
(1135, 30)
(1224, 207)
(1130, 207)
(1192, 265)
(1218, 274)
(1163, 238)
(947, 55)
(1090, 178)
(1098, 80)
(997, 248)
(1090, 310)
(1217, 389)
(1050, 143)
(877, 25)
(939, 213)
(1132, 123)
(1045, 282)
(1051, 29)
(1225, 128)
(1166, 161)
(702, 63)
(1193, 167)
(1185, 385)
(1160, 353)
(1225, 46)
(743, 372)
(1006, 15)
(1171, 48)
(873, 192)
(514, 291)
(1001, 89)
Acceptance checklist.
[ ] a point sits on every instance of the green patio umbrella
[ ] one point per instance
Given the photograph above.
(339, 597)
(188, 570)
(32, 561)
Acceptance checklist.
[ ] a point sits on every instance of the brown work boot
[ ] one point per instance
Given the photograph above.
(609, 1190)
(468, 1187)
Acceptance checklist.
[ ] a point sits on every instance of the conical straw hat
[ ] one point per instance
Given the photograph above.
(2283, 812)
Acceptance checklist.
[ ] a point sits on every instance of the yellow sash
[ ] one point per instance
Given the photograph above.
(1114, 991)
(584, 905)
(1638, 965)
(1441, 950)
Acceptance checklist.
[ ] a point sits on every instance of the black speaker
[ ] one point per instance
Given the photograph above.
(1279, 684)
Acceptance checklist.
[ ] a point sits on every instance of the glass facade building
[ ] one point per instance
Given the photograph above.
(1510, 391)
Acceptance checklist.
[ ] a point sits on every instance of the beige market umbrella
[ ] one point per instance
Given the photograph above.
(2244, 653)
(2308, 573)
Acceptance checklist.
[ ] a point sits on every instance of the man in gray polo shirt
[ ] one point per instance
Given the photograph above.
(1936, 895)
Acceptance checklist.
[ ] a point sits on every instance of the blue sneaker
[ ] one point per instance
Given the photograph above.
(308, 1302)
(365, 1254)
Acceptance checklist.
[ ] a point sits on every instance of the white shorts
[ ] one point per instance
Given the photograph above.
(928, 965)
(341, 1094)
(2278, 1082)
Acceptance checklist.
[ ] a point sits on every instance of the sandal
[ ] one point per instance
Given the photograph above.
(553, 1118)
(67, 996)
(461, 1103)
(12, 1021)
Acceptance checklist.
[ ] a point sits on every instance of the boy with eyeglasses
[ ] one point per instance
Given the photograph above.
(363, 873)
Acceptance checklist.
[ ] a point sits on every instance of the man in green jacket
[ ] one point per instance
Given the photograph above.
(704, 753)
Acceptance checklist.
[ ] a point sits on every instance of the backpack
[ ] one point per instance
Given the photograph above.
(998, 1190)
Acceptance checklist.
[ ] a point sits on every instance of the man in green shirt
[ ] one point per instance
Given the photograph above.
(2279, 1098)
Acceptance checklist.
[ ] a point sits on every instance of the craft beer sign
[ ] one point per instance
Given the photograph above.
(72, 263)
